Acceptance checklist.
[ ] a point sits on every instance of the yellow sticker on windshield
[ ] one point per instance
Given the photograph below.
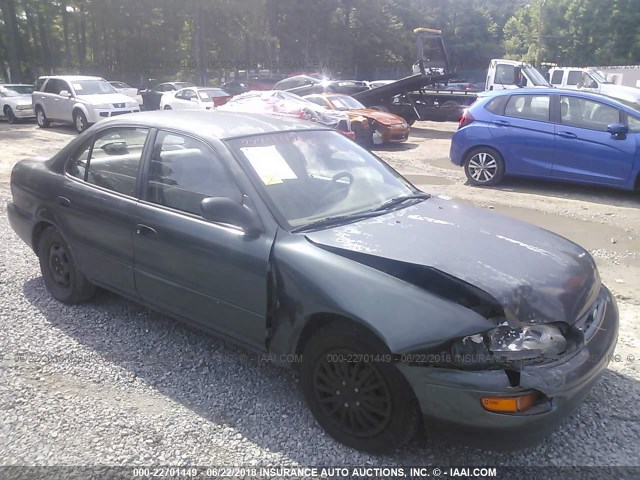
(269, 164)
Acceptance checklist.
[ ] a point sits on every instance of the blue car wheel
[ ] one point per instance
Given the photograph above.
(484, 166)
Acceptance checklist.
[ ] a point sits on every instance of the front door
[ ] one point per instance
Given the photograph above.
(207, 272)
(585, 151)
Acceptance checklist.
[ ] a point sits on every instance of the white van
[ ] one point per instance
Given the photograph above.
(590, 80)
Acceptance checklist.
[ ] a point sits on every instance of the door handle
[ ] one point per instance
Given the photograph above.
(502, 123)
(64, 201)
(567, 135)
(145, 230)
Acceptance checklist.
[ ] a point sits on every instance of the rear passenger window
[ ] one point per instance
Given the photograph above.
(52, 86)
(583, 113)
(496, 106)
(184, 171)
(556, 78)
(112, 160)
(530, 107)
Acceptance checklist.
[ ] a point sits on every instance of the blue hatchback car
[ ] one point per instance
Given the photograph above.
(552, 134)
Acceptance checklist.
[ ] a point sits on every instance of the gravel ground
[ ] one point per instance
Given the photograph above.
(112, 383)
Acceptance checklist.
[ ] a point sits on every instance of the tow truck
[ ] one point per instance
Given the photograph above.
(424, 95)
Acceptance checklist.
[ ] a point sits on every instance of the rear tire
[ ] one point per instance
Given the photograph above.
(367, 405)
(167, 107)
(484, 167)
(10, 116)
(61, 276)
(41, 118)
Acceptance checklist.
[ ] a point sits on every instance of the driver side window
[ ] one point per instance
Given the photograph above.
(184, 171)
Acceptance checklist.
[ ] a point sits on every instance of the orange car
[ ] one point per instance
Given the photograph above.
(365, 122)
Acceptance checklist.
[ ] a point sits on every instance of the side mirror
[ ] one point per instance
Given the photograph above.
(226, 210)
(65, 93)
(618, 130)
(194, 99)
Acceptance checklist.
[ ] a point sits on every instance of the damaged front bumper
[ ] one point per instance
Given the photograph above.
(452, 398)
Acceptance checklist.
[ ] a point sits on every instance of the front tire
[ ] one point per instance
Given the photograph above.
(61, 276)
(80, 121)
(41, 118)
(11, 117)
(367, 405)
(484, 167)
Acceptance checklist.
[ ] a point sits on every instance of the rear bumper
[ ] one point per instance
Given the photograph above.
(456, 152)
(21, 222)
(452, 398)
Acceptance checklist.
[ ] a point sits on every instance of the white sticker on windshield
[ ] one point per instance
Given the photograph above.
(270, 166)
(204, 95)
(77, 86)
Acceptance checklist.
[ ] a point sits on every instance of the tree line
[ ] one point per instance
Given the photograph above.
(207, 40)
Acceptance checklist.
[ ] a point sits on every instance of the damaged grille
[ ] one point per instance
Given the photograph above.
(591, 321)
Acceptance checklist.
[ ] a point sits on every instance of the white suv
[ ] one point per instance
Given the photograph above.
(78, 100)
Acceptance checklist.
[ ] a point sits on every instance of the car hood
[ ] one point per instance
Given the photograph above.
(534, 275)
(630, 94)
(20, 100)
(385, 118)
(99, 99)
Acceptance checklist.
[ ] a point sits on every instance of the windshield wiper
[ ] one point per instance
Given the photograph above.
(335, 220)
(398, 200)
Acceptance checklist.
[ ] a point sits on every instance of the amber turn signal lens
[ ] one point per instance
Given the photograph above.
(509, 404)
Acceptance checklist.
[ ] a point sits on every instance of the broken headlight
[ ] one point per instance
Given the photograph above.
(526, 343)
(506, 344)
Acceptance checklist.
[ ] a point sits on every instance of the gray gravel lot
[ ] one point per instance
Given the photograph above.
(113, 383)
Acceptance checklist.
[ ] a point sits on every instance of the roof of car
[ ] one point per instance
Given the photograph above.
(218, 124)
(558, 91)
(72, 77)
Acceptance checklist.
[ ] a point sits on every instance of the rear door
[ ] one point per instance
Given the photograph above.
(525, 135)
(96, 207)
(585, 151)
(207, 272)
(49, 96)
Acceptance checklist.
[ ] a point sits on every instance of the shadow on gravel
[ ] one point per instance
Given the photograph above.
(394, 147)
(63, 129)
(431, 133)
(593, 194)
(226, 385)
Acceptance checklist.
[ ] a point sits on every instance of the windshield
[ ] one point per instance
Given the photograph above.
(17, 90)
(92, 87)
(119, 85)
(211, 93)
(312, 175)
(535, 76)
(597, 77)
(344, 102)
